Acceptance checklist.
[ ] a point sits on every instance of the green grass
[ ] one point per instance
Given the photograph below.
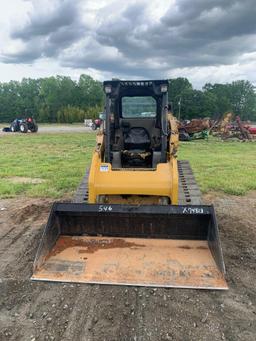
(228, 167)
(60, 160)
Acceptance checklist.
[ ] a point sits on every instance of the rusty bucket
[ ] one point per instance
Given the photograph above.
(160, 246)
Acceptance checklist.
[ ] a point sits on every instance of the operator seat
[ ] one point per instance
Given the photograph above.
(137, 138)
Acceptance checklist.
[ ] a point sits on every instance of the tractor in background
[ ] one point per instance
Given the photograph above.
(24, 125)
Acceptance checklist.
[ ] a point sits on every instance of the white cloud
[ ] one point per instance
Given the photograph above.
(207, 42)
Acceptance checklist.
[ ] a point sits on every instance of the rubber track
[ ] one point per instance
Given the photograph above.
(81, 194)
(189, 192)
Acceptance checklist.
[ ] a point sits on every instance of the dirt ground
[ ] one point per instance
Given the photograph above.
(50, 311)
(68, 128)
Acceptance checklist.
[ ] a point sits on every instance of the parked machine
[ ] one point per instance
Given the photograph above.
(230, 127)
(251, 129)
(194, 130)
(98, 121)
(24, 125)
(137, 217)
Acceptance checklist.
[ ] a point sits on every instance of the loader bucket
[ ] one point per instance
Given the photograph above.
(161, 246)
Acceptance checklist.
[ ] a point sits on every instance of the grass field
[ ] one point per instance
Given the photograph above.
(228, 167)
(56, 163)
(58, 160)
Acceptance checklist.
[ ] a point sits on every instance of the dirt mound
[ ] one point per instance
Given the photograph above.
(33, 211)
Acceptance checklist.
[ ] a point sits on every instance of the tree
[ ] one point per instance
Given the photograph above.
(243, 99)
(196, 103)
(222, 97)
(70, 114)
(90, 92)
(29, 91)
(238, 97)
(176, 89)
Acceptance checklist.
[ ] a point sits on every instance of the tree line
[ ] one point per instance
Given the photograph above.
(61, 99)
(52, 99)
(213, 100)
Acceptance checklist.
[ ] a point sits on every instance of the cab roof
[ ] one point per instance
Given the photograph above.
(116, 88)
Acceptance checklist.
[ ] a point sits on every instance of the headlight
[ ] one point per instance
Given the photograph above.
(164, 88)
(108, 89)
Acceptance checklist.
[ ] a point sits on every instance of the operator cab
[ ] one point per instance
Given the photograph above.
(136, 123)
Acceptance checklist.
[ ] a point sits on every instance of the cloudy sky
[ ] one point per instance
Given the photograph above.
(204, 40)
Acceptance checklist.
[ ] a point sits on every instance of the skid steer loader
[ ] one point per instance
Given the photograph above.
(137, 218)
